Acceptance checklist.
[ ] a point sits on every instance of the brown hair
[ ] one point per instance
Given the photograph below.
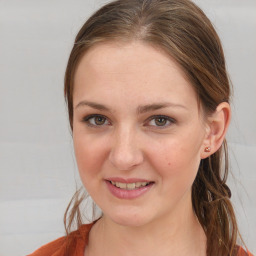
(183, 31)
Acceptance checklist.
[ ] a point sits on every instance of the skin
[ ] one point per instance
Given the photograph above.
(129, 143)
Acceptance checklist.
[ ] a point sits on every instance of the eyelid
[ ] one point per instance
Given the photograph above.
(87, 118)
(168, 118)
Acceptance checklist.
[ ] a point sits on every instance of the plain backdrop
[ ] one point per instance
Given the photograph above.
(37, 166)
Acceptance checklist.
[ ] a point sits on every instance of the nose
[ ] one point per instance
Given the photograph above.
(125, 153)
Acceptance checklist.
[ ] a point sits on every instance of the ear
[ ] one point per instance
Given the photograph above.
(217, 125)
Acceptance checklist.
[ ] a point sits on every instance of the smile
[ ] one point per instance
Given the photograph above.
(128, 189)
(130, 186)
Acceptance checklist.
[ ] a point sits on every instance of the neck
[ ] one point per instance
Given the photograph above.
(175, 235)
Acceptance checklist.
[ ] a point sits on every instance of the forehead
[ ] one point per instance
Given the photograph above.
(134, 68)
(117, 56)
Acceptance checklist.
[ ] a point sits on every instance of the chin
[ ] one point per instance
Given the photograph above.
(130, 219)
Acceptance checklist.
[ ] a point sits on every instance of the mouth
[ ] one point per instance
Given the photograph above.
(128, 189)
(130, 186)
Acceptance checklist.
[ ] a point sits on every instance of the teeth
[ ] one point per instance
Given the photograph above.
(120, 185)
(141, 184)
(129, 186)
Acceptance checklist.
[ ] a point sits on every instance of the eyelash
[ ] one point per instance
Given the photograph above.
(166, 118)
(88, 118)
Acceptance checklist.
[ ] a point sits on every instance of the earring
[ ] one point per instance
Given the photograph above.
(207, 149)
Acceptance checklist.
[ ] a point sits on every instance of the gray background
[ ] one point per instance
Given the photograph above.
(37, 166)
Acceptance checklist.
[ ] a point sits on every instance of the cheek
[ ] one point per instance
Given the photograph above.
(177, 171)
(176, 159)
(89, 156)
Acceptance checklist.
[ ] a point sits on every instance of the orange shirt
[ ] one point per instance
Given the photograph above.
(77, 245)
(58, 247)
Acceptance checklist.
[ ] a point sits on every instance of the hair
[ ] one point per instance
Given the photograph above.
(184, 32)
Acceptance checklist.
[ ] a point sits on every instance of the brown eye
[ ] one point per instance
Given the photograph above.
(99, 120)
(96, 120)
(160, 121)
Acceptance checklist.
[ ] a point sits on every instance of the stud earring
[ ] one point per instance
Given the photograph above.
(207, 149)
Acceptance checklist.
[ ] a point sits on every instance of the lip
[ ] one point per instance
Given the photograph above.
(125, 193)
(124, 180)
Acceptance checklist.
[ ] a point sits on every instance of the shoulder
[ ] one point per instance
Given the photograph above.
(242, 252)
(56, 247)
(74, 243)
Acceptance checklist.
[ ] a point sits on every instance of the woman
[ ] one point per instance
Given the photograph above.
(148, 100)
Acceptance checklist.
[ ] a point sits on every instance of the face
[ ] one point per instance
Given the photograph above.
(138, 132)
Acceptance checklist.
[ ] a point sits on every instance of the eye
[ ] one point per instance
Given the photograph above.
(160, 121)
(96, 120)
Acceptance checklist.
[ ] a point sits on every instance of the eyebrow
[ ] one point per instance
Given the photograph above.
(140, 109)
